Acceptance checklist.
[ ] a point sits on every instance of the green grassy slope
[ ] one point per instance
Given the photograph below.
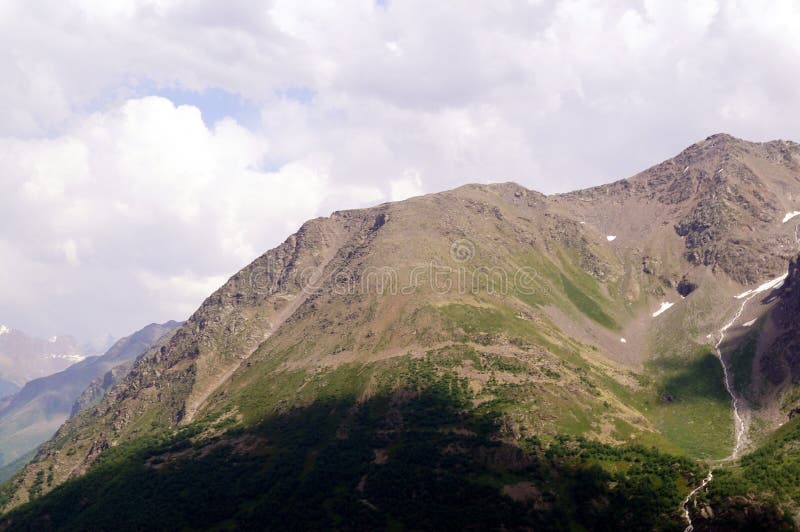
(422, 456)
(762, 492)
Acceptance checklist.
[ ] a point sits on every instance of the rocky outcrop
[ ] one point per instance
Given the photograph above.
(790, 296)
(778, 359)
(99, 387)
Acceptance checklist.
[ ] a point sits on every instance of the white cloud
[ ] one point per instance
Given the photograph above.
(145, 193)
(180, 292)
(407, 186)
(70, 250)
(350, 96)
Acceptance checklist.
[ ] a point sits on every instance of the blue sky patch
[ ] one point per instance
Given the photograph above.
(214, 104)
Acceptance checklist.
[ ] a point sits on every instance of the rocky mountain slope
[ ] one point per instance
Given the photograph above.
(769, 355)
(32, 415)
(24, 358)
(763, 491)
(484, 357)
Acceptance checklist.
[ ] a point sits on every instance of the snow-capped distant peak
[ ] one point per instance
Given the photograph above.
(790, 215)
(4, 330)
(72, 358)
(53, 339)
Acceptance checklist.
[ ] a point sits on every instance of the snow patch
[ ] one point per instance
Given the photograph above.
(790, 215)
(611, 238)
(72, 358)
(664, 307)
(769, 285)
(4, 330)
(623, 340)
(53, 339)
(750, 323)
(685, 169)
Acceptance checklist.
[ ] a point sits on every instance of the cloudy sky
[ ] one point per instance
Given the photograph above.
(149, 149)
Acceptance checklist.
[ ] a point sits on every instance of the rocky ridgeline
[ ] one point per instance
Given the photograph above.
(723, 197)
(178, 376)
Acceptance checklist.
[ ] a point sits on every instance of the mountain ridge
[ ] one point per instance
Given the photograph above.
(587, 314)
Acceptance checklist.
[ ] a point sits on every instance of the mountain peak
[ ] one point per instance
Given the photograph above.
(23, 358)
(725, 137)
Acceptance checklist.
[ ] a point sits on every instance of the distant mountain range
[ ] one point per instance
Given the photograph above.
(618, 358)
(24, 358)
(33, 414)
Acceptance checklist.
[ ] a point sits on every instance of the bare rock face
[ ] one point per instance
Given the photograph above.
(779, 361)
(790, 295)
(734, 223)
(724, 198)
(99, 387)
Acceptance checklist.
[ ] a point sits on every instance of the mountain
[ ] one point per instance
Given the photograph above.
(32, 415)
(23, 358)
(487, 357)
